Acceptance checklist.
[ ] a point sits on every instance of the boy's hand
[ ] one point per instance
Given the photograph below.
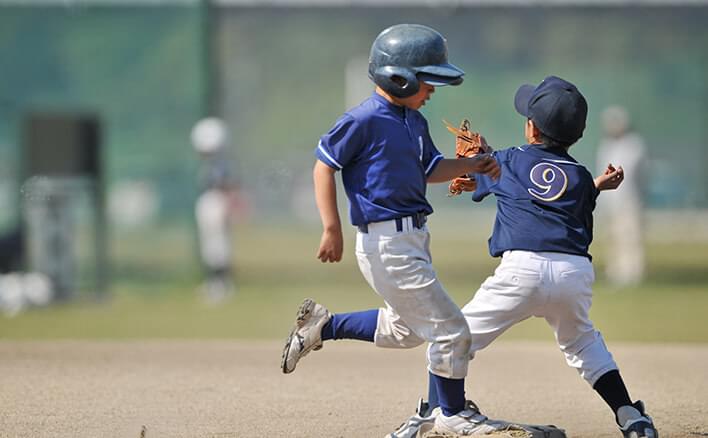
(462, 184)
(486, 164)
(331, 246)
(610, 179)
(486, 147)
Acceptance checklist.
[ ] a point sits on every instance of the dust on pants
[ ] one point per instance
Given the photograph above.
(398, 267)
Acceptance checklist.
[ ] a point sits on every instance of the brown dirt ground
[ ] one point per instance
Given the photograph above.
(223, 389)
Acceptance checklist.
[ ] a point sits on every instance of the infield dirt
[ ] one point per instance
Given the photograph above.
(222, 389)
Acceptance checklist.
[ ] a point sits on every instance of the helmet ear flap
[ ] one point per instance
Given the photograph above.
(397, 81)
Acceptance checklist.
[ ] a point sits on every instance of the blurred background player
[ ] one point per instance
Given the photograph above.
(623, 208)
(213, 208)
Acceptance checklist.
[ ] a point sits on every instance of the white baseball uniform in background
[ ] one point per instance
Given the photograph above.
(623, 208)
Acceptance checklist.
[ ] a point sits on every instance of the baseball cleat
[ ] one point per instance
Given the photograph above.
(468, 422)
(418, 424)
(635, 423)
(306, 335)
(471, 422)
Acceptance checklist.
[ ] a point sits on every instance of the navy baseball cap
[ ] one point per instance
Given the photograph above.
(555, 106)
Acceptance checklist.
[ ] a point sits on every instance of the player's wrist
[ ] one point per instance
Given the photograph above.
(332, 228)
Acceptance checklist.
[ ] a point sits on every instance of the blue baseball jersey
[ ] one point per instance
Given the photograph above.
(385, 154)
(545, 200)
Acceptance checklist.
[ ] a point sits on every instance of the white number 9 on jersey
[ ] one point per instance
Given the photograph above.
(550, 181)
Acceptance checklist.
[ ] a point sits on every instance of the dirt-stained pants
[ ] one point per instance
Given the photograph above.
(398, 267)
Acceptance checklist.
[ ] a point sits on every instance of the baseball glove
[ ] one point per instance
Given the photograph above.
(467, 144)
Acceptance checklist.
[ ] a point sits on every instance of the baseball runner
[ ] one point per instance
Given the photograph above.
(543, 229)
(387, 157)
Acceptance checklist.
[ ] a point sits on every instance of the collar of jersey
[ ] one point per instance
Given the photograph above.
(554, 151)
(396, 109)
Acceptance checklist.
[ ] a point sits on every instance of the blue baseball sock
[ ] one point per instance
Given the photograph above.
(433, 401)
(355, 325)
(451, 394)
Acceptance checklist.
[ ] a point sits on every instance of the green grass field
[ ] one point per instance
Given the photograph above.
(156, 278)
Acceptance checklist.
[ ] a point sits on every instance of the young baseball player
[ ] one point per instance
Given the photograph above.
(387, 157)
(543, 229)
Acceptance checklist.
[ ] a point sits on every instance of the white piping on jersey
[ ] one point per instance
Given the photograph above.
(432, 162)
(420, 143)
(329, 157)
(564, 162)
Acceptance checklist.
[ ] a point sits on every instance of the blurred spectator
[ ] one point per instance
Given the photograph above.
(623, 207)
(213, 209)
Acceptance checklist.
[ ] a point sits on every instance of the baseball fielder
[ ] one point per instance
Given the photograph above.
(386, 156)
(543, 229)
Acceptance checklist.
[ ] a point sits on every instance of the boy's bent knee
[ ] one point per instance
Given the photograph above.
(396, 336)
(448, 355)
(589, 355)
(463, 343)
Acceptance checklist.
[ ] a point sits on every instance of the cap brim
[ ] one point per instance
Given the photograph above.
(522, 98)
(439, 81)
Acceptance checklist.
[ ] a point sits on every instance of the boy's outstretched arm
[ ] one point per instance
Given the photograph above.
(332, 242)
(610, 179)
(449, 168)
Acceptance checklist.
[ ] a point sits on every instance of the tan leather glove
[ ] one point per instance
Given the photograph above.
(467, 144)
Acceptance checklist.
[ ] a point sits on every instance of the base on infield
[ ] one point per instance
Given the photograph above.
(514, 431)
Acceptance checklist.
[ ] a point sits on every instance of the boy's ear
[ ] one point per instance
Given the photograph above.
(531, 132)
(533, 129)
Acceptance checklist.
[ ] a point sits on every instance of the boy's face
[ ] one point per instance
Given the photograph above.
(418, 99)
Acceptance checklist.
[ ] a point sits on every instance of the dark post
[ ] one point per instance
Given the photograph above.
(210, 72)
(62, 158)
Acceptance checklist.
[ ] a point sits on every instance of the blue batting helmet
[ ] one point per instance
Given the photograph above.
(405, 54)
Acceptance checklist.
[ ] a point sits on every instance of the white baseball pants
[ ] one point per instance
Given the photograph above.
(550, 285)
(212, 213)
(398, 267)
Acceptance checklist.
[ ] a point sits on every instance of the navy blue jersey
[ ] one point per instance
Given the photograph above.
(385, 154)
(545, 200)
(214, 173)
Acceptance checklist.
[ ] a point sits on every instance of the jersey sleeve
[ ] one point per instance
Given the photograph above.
(484, 182)
(341, 144)
(430, 156)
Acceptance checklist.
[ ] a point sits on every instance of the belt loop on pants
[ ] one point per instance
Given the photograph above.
(399, 224)
(419, 220)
